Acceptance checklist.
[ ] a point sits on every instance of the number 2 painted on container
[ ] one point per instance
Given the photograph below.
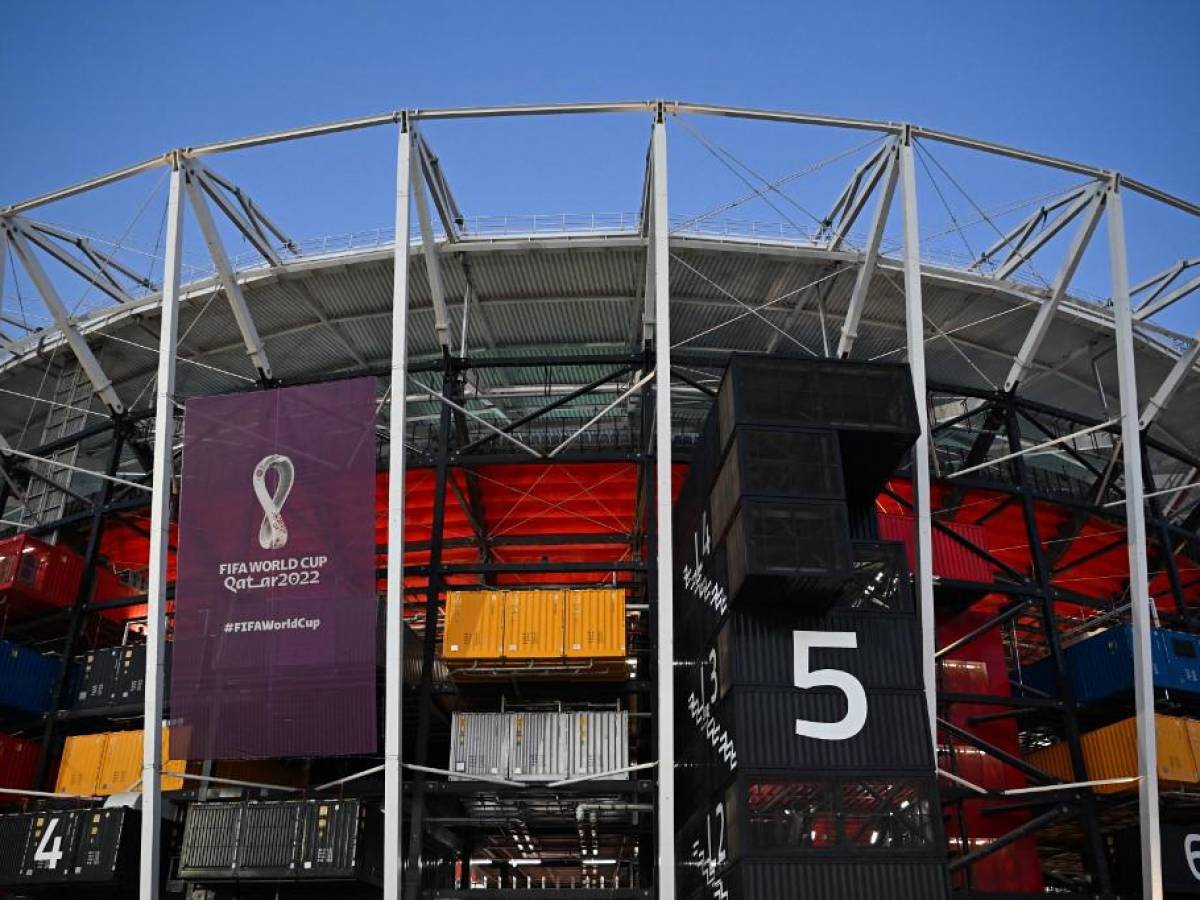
(856, 696)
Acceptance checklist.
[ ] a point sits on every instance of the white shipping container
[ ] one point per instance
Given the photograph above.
(538, 746)
(479, 745)
(599, 743)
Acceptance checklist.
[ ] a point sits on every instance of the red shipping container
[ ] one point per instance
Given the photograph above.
(36, 577)
(18, 765)
(950, 558)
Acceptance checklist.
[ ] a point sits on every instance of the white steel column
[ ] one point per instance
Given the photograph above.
(160, 536)
(392, 746)
(664, 556)
(915, 322)
(1135, 525)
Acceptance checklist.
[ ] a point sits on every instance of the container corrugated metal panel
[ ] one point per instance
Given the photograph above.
(108, 844)
(775, 463)
(269, 842)
(26, 678)
(48, 829)
(14, 833)
(98, 678)
(1111, 752)
(538, 746)
(753, 729)
(830, 880)
(951, 559)
(121, 765)
(210, 839)
(599, 742)
(18, 764)
(35, 575)
(330, 848)
(533, 625)
(478, 744)
(758, 648)
(131, 673)
(595, 624)
(474, 626)
(79, 770)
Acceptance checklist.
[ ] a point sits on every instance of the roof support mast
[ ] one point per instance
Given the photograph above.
(659, 329)
(393, 686)
(160, 538)
(1135, 524)
(915, 337)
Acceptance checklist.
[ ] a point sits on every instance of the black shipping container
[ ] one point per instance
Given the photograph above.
(915, 879)
(757, 648)
(871, 405)
(131, 674)
(98, 678)
(1178, 879)
(754, 729)
(53, 841)
(109, 845)
(775, 463)
(777, 817)
(14, 835)
(281, 841)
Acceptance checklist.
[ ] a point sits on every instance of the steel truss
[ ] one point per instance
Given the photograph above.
(421, 179)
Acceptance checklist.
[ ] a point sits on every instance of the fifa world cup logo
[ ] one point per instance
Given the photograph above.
(273, 533)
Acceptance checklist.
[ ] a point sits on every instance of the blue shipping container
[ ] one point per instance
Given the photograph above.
(26, 678)
(1102, 666)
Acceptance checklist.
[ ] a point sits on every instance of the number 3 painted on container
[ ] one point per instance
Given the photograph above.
(856, 697)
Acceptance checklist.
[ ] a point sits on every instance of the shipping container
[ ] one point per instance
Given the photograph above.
(756, 729)
(788, 550)
(1111, 752)
(79, 769)
(872, 406)
(1101, 666)
(131, 673)
(1179, 876)
(599, 743)
(14, 835)
(474, 626)
(538, 746)
(18, 765)
(533, 625)
(281, 840)
(827, 879)
(595, 624)
(479, 745)
(98, 678)
(109, 844)
(951, 560)
(26, 678)
(775, 464)
(780, 817)
(53, 843)
(36, 577)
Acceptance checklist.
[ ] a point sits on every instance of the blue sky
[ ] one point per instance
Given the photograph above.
(90, 87)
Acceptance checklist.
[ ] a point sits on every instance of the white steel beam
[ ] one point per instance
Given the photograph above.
(433, 261)
(664, 822)
(98, 277)
(866, 270)
(101, 383)
(1021, 252)
(915, 339)
(212, 185)
(851, 189)
(1158, 304)
(1045, 314)
(1172, 383)
(393, 671)
(229, 283)
(443, 199)
(856, 200)
(160, 535)
(1135, 527)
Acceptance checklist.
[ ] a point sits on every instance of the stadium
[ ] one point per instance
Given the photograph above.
(906, 607)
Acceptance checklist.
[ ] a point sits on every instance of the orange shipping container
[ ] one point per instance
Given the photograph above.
(533, 625)
(474, 625)
(80, 767)
(1111, 752)
(595, 623)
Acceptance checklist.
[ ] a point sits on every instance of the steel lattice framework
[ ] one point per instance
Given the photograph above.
(694, 296)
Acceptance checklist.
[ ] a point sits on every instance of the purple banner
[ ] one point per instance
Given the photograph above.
(275, 603)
